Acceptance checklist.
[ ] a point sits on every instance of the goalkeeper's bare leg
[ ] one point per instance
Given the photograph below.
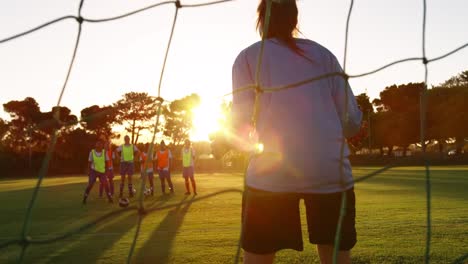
(326, 255)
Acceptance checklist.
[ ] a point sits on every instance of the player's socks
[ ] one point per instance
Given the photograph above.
(171, 187)
(111, 186)
(121, 190)
(109, 198)
(101, 188)
(194, 187)
(85, 196)
(130, 190)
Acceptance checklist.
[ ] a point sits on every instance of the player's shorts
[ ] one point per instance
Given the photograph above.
(272, 220)
(164, 174)
(110, 173)
(93, 175)
(149, 174)
(187, 172)
(126, 168)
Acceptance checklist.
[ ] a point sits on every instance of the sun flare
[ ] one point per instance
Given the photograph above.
(206, 120)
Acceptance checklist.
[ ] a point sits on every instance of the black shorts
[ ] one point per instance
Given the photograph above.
(272, 220)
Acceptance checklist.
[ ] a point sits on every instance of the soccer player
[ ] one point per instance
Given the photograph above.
(301, 130)
(188, 156)
(148, 166)
(97, 169)
(163, 165)
(126, 153)
(110, 170)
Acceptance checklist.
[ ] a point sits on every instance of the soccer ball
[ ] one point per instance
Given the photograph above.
(147, 192)
(124, 202)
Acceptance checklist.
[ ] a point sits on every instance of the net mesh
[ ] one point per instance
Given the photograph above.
(25, 240)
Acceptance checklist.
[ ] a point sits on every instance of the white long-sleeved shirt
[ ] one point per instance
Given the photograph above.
(301, 128)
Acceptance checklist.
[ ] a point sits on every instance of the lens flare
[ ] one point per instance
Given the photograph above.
(259, 148)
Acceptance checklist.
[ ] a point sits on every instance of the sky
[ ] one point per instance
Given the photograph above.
(126, 55)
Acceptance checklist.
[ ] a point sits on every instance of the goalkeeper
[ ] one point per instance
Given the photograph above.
(301, 131)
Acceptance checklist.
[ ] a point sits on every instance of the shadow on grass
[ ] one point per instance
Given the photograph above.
(58, 211)
(157, 248)
(99, 242)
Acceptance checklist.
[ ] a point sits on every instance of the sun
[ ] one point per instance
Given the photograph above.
(206, 119)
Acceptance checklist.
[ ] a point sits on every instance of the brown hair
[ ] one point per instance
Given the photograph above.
(283, 22)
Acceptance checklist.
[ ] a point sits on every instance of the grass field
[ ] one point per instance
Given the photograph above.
(391, 214)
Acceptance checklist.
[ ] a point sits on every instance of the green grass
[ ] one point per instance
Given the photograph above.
(391, 221)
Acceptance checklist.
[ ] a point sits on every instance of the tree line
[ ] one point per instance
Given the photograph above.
(390, 122)
(396, 121)
(28, 133)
